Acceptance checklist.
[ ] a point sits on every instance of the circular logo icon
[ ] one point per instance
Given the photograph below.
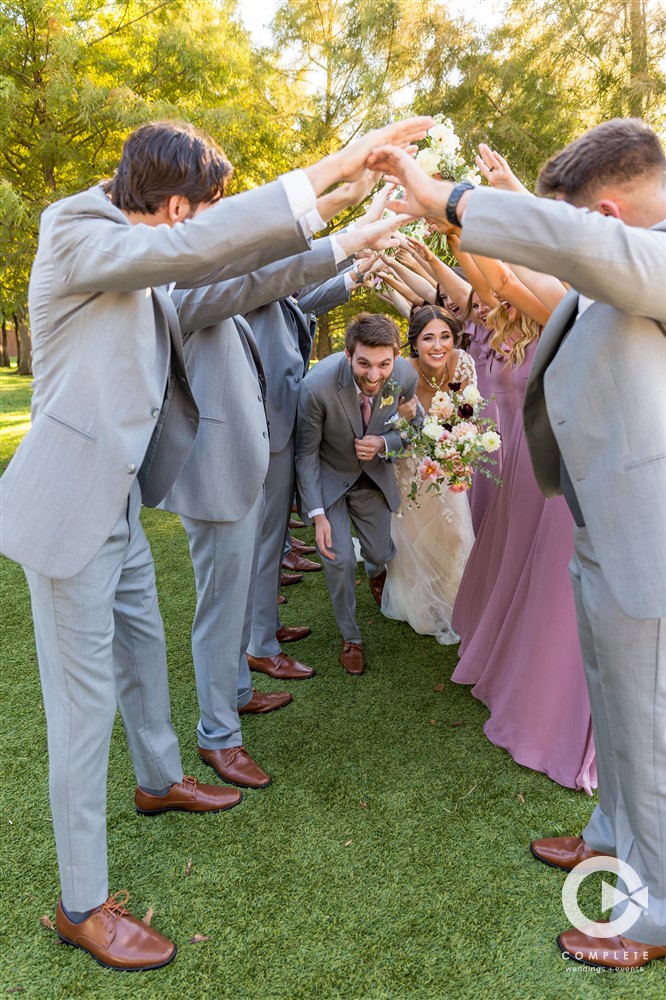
(636, 897)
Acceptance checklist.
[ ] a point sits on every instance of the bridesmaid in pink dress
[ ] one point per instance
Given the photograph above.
(515, 613)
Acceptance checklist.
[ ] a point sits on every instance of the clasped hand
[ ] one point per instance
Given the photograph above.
(368, 447)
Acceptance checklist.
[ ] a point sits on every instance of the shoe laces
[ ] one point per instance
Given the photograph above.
(234, 751)
(188, 782)
(114, 908)
(350, 645)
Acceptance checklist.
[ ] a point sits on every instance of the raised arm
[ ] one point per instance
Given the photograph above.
(507, 286)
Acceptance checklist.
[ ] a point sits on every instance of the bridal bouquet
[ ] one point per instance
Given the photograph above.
(453, 442)
(441, 154)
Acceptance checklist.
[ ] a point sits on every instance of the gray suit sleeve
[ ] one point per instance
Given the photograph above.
(202, 307)
(320, 298)
(97, 254)
(602, 258)
(309, 431)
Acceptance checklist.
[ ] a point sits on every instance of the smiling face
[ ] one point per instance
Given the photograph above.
(435, 344)
(372, 367)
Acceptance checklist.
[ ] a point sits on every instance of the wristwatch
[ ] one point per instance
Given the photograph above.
(454, 198)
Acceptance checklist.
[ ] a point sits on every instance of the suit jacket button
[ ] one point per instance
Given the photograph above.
(155, 412)
(265, 434)
(260, 398)
(131, 468)
(297, 378)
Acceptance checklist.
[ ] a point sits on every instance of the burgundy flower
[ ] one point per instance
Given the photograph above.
(465, 410)
(448, 427)
(455, 386)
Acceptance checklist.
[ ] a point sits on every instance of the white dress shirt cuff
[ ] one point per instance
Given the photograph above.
(317, 510)
(300, 193)
(349, 281)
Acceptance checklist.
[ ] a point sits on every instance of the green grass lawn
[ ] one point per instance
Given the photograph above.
(388, 859)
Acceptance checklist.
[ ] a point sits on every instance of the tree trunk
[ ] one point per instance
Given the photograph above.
(639, 83)
(4, 358)
(323, 338)
(24, 344)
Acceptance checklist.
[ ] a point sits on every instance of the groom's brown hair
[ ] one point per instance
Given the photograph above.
(373, 330)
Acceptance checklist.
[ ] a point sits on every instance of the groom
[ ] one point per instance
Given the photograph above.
(345, 440)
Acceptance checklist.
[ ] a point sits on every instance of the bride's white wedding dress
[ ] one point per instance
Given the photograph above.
(432, 544)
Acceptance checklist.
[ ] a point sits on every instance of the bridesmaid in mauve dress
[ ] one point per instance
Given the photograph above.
(520, 645)
(486, 556)
(483, 488)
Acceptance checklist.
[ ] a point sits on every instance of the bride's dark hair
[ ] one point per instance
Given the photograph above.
(422, 315)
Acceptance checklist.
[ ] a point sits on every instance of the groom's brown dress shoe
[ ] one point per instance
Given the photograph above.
(281, 666)
(617, 952)
(263, 701)
(563, 852)
(187, 796)
(236, 766)
(287, 579)
(298, 564)
(292, 634)
(351, 657)
(281, 599)
(295, 524)
(377, 586)
(115, 938)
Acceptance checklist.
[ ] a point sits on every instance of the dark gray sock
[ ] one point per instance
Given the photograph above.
(155, 791)
(75, 916)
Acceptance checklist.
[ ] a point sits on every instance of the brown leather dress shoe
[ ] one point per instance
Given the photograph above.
(187, 796)
(295, 524)
(284, 667)
(262, 702)
(300, 547)
(351, 657)
(298, 564)
(617, 952)
(288, 634)
(563, 852)
(236, 766)
(281, 599)
(115, 938)
(286, 579)
(377, 586)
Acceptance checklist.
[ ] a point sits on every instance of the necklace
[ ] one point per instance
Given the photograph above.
(433, 384)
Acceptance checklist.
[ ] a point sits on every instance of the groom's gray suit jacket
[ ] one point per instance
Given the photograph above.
(329, 419)
(597, 390)
(106, 342)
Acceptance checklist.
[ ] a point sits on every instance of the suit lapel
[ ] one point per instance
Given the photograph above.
(349, 397)
(169, 310)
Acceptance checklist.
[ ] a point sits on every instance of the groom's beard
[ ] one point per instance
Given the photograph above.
(370, 389)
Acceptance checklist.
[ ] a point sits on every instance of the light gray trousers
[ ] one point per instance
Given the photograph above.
(369, 513)
(280, 480)
(100, 646)
(625, 666)
(223, 556)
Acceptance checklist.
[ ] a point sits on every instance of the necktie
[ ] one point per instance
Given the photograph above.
(366, 410)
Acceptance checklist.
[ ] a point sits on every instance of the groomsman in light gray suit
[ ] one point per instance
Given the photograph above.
(345, 440)
(112, 409)
(595, 422)
(219, 492)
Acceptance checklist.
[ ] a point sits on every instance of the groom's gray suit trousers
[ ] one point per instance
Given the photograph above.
(625, 666)
(100, 646)
(371, 517)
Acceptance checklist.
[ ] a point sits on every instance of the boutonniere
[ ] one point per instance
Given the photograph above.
(389, 392)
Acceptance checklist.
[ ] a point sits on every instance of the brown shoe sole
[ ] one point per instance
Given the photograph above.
(118, 968)
(182, 809)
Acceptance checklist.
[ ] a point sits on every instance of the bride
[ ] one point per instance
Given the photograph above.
(433, 539)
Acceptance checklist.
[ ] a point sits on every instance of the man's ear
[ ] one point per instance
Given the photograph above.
(608, 207)
(349, 356)
(178, 208)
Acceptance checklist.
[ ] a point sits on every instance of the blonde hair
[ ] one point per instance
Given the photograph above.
(511, 338)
